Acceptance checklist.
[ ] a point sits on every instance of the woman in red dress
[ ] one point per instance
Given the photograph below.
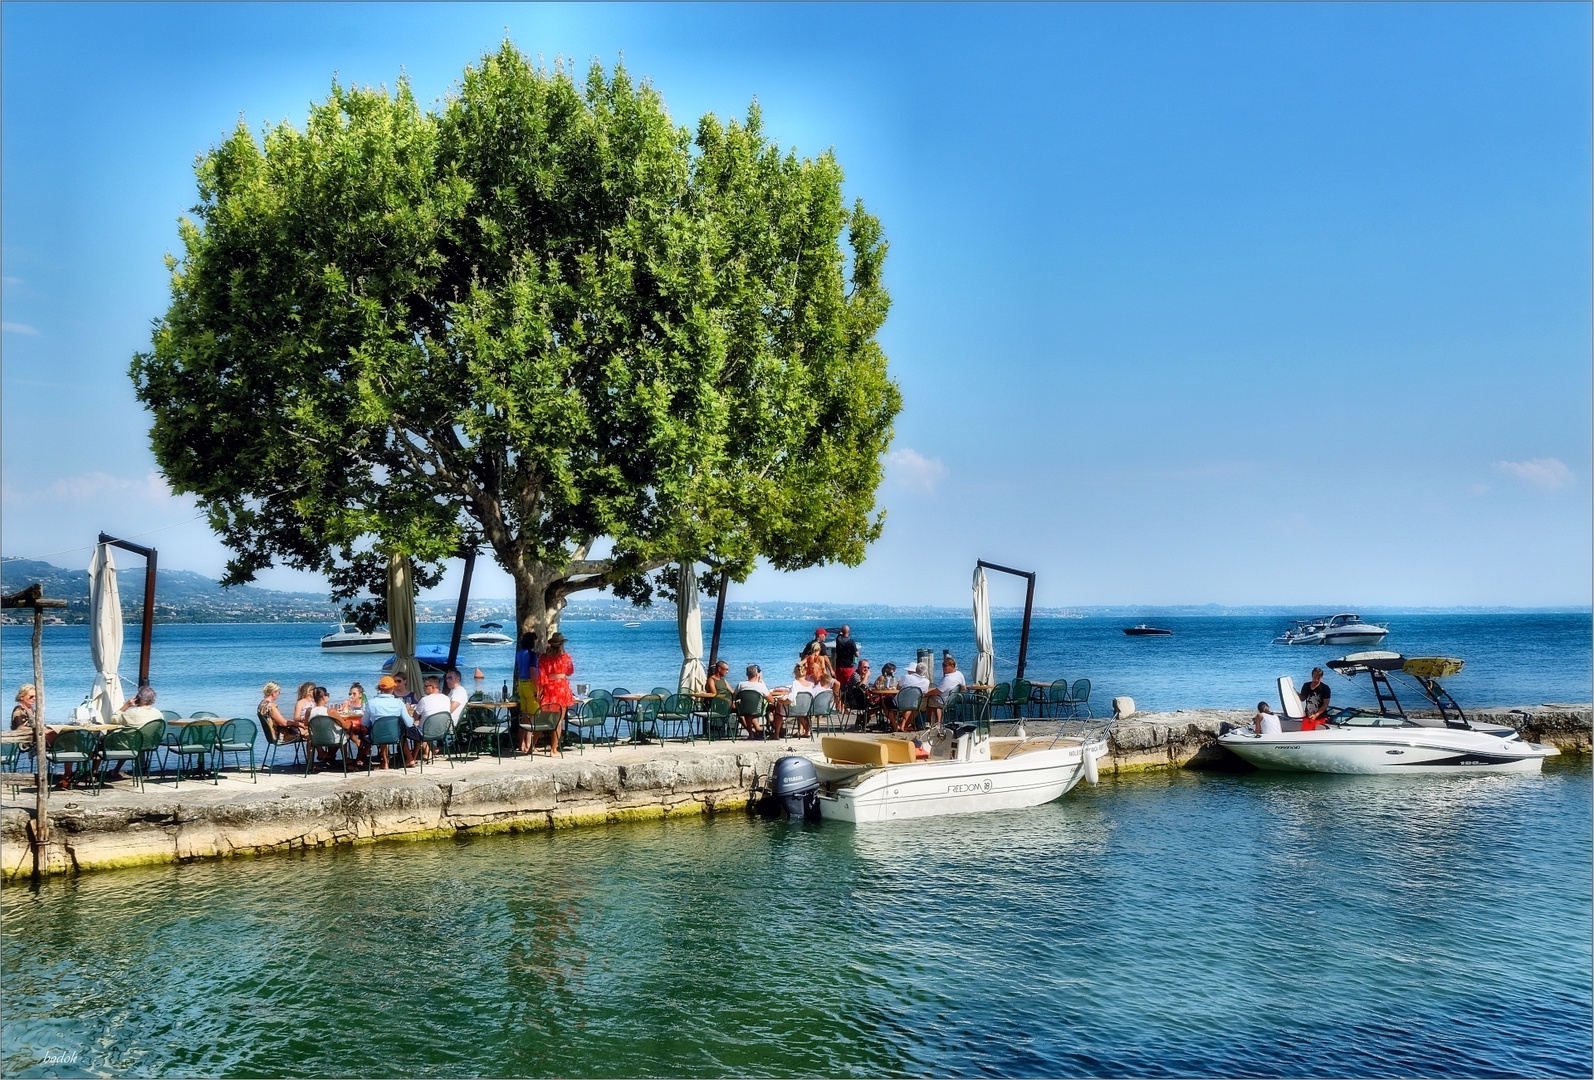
(553, 685)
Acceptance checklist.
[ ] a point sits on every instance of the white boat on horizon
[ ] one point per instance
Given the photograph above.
(873, 780)
(1345, 628)
(1387, 742)
(343, 639)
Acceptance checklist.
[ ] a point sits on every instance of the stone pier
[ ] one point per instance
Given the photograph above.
(165, 823)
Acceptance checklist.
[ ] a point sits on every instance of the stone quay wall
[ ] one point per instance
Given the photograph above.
(284, 811)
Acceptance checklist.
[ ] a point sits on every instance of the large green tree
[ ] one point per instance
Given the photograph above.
(539, 317)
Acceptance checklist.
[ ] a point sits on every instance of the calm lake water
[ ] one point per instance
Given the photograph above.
(1170, 925)
(1225, 661)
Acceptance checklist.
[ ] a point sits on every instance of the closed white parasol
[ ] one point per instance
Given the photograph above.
(689, 621)
(984, 648)
(105, 634)
(401, 619)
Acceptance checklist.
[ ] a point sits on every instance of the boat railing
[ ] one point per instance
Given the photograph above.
(1084, 729)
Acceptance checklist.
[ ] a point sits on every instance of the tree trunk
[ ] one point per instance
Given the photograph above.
(533, 613)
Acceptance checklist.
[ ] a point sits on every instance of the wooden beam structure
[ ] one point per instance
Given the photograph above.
(33, 597)
(149, 600)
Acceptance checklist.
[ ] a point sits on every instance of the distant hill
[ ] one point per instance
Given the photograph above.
(180, 596)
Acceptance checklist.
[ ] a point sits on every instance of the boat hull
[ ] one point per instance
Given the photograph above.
(937, 788)
(1396, 752)
(489, 639)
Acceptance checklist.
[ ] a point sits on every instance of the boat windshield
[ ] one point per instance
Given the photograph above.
(1360, 719)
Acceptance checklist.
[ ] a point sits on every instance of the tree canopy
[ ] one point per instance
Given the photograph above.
(533, 317)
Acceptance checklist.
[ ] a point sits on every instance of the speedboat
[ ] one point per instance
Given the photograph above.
(962, 771)
(1387, 741)
(431, 658)
(1146, 631)
(342, 639)
(489, 635)
(1343, 629)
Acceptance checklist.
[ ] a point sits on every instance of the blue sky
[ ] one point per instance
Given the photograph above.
(1234, 304)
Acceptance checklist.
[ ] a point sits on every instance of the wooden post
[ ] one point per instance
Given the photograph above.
(33, 597)
(459, 610)
(719, 619)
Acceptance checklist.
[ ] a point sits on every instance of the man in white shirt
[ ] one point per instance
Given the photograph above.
(457, 695)
(1266, 721)
(434, 701)
(916, 677)
(755, 683)
(951, 682)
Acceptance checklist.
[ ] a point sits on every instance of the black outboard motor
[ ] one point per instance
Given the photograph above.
(795, 786)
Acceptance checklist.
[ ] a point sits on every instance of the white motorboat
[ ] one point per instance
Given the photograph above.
(343, 639)
(489, 634)
(1388, 741)
(1345, 628)
(967, 771)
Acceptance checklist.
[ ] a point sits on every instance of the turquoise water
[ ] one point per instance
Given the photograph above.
(1170, 925)
(1228, 662)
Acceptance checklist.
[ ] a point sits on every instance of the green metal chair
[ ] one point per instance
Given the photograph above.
(591, 721)
(908, 700)
(543, 723)
(1019, 700)
(74, 748)
(462, 740)
(751, 705)
(195, 742)
(434, 733)
(325, 734)
(123, 746)
(1080, 698)
(236, 737)
(151, 737)
(798, 711)
(717, 721)
(1057, 698)
(274, 740)
(997, 701)
(487, 726)
(203, 715)
(645, 721)
(621, 710)
(677, 710)
(169, 715)
(822, 711)
(385, 731)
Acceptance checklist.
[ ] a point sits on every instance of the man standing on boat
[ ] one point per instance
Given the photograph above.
(1314, 699)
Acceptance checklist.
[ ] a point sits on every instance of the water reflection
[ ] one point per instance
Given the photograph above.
(1174, 924)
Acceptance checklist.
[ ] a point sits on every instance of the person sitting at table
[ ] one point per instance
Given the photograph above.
(434, 701)
(854, 692)
(554, 668)
(951, 682)
(458, 696)
(22, 711)
(285, 729)
(886, 701)
(385, 703)
(915, 678)
(137, 711)
(350, 716)
(755, 683)
(402, 691)
(717, 682)
(303, 702)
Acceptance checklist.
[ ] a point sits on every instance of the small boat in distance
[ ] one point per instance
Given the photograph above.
(1146, 631)
(489, 635)
(343, 639)
(633, 624)
(1342, 629)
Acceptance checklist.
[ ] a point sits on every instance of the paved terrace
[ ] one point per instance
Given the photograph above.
(284, 810)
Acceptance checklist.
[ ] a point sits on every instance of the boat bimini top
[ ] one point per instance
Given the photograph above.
(1425, 671)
